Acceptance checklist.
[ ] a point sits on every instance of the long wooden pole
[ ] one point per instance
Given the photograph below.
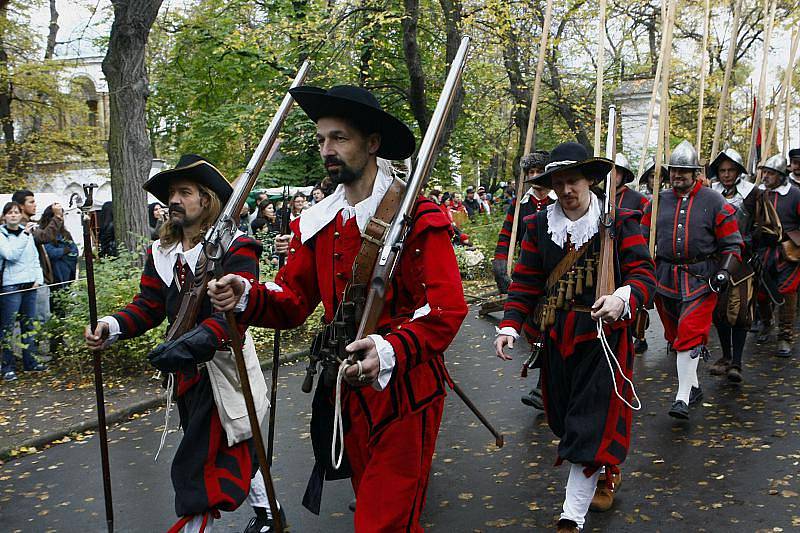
(767, 146)
(787, 112)
(723, 99)
(663, 125)
(102, 428)
(537, 82)
(653, 96)
(598, 99)
(762, 86)
(703, 69)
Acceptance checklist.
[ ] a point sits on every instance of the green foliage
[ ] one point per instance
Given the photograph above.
(117, 283)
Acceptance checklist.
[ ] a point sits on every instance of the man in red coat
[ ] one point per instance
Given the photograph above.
(393, 400)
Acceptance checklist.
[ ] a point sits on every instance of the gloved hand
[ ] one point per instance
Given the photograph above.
(193, 347)
(719, 282)
(499, 267)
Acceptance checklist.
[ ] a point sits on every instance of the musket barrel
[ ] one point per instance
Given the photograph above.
(425, 157)
(248, 177)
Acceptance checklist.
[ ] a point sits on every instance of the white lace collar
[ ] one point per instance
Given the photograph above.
(164, 259)
(579, 231)
(783, 190)
(319, 215)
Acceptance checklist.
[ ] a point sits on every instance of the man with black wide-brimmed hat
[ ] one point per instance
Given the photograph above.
(585, 387)
(215, 461)
(794, 166)
(393, 398)
(698, 247)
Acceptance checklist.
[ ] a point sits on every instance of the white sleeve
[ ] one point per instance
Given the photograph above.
(113, 328)
(387, 361)
(624, 293)
(508, 330)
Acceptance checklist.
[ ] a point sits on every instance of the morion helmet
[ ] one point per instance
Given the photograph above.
(621, 162)
(684, 156)
(777, 163)
(728, 154)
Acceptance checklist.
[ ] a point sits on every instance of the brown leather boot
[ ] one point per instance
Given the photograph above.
(567, 526)
(786, 314)
(603, 497)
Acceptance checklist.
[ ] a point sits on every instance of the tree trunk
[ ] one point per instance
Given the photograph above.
(6, 95)
(52, 33)
(452, 18)
(416, 88)
(129, 152)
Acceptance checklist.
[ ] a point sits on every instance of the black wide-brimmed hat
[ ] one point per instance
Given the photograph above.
(360, 106)
(573, 156)
(193, 168)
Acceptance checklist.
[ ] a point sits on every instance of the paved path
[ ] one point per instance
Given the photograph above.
(734, 467)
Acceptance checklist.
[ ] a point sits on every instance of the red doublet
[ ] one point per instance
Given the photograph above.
(427, 275)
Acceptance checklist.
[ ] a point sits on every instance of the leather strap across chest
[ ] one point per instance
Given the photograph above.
(373, 235)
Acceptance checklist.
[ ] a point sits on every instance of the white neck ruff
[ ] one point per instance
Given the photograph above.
(560, 227)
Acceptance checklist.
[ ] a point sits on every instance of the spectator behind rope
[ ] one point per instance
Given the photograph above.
(108, 242)
(61, 250)
(20, 272)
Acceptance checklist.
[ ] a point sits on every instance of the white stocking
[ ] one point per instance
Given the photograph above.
(687, 375)
(194, 525)
(580, 490)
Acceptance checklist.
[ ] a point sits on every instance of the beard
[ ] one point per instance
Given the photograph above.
(180, 220)
(344, 174)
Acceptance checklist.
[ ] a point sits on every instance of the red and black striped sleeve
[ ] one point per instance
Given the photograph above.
(527, 281)
(726, 231)
(647, 217)
(636, 266)
(504, 238)
(148, 309)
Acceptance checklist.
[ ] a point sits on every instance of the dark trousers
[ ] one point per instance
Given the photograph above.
(12, 306)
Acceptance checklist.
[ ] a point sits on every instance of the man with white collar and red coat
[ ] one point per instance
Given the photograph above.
(733, 314)
(698, 245)
(586, 396)
(780, 257)
(534, 200)
(215, 461)
(393, 401)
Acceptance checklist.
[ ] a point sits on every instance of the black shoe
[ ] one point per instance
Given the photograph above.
(763, 333)
(680, 410)
(263, 524)
(534, 399)
(695, 395)
(39, 367)
(639, 346)
(735, 374)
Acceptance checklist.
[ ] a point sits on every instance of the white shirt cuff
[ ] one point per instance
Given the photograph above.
(624, 293)
(387, 361)
(114, 330)
(508, 330)
(245, 297)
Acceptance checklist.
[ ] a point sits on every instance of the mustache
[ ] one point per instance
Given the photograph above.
(175, 208)
(332, 160)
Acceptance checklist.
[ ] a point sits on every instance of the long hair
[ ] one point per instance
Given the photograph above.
(171, 234)
(44, 221)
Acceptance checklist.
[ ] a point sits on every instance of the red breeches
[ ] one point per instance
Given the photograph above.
(390, 475)
(686, 324)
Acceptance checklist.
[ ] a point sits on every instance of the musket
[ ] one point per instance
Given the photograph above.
(276, 343)
(606, 282)
(395, 236)
(97, 363)
(216, 243)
